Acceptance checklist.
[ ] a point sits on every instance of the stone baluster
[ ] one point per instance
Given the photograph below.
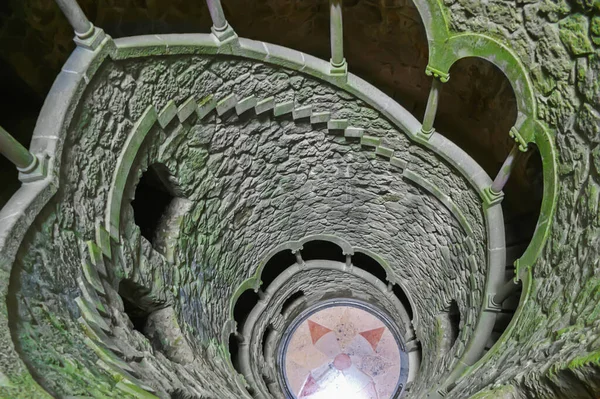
(86, 34)
(16, 153)
(338, 62)
(505, 291)
(431, 110)
(29, 166)
(221, 28)
(506, 170)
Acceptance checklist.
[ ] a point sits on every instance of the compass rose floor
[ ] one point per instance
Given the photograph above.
(342, 352)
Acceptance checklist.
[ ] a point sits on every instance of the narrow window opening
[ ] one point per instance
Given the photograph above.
(290, 301)
(370, 265)
(317, 249)
(244, 305)
(265, 338)
(454, 316)
(153, 196)
(133, 296)
(234, 350)
(401, 295)
(156, 320)
(275, 266)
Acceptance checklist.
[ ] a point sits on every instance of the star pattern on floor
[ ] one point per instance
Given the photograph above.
(342, 352)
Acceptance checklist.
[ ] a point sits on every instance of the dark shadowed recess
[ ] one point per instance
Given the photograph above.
(153, 195)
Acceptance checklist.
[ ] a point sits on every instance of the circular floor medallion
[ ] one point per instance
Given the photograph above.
(343, 349)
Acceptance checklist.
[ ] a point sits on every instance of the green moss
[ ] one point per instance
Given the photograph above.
(573, 34)
(504, 391)
(590, 359)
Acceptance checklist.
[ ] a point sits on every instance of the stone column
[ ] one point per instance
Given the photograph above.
(432, 105)
(506, 170)
(86, 34)
(216, 13)
(505, 291)
(16, 153)
(83, 27)
(220, 28)
(336, 26)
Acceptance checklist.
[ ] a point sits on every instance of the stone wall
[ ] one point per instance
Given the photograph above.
(553, 351)
(253, 181)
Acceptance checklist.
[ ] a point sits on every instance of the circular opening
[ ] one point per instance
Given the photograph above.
(342, 348)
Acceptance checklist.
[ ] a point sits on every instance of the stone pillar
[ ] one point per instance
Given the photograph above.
(86, 34)
(505, 291)
(431, 110)
(16, 153)
(336, 26)
(220, 29)
(506, 170)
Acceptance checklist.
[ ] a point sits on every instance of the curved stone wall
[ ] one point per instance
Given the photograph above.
(317, 160)
(549, 51)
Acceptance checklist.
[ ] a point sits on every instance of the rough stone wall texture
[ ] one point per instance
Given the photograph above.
(553, 351)
(253, 182)
(385, 44)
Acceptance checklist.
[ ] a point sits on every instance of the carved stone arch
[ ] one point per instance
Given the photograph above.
(527, 128)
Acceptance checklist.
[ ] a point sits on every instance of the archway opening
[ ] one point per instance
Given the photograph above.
(153, 196)
(370, 265)
(244, 305)
(401, 295)
(320, 249)
(454, 318)
(289, 303)
(274, 266)
(477, 108)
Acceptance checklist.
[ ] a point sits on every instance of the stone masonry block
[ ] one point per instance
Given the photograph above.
(320, 117)
(103, 239)
(92, 277)
(264, 105)
(245, 104)
(337, 124)
(384, 152)
(186, 109)
(91, 315)
(205, 106)
(398, 162)
(96, 334)
(354, 132)
(90, 294)
(166, 115)
(283, 108)
(97, 258)
(226, 104)
(302, 112)
(370, 141)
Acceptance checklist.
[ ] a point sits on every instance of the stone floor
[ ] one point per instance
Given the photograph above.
(342, 352)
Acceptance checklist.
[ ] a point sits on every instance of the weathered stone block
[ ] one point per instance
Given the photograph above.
(206, 106)
(186, 109)
(337, 124)
(265, 105)
(283, 108)
(302, 112)
(226, 104)
(166, 115)
(245, 104)
(354, 132)
(320, 117)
